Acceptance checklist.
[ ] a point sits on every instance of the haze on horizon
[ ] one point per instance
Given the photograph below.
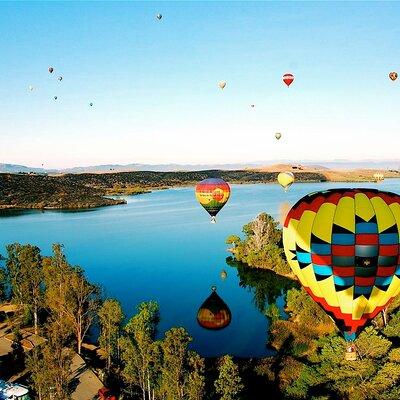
(154, 83)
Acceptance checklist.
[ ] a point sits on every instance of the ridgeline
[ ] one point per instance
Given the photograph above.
(77, 191)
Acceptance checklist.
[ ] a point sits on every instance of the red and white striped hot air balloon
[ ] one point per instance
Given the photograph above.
(288, 79)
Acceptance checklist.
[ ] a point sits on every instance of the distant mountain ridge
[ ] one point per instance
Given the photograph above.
(108, 168)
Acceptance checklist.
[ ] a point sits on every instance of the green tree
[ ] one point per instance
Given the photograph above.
(24, 267)
(195, 380)
(233, 239)
(3, 283)
(273, 312)
(70, 296)
(229, 383)
(139, 351)
(50, 366)
(110, 320)
(261, 231)
(174, 369)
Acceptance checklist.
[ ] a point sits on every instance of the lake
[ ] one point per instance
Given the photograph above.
(161, 246)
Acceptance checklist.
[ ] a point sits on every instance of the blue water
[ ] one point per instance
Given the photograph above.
(161, 246)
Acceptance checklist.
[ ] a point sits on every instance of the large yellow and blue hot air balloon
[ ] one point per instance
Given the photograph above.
(343, 245)
(212, 194)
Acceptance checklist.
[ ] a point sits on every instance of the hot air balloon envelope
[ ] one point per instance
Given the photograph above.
(286, 179)
(51, 69)
(222, 84)
(214, 314)
(393, 76)
(159, 16)
(60, 78)
(343, 245)
(212, 194)
(288, 79)
(278, 135)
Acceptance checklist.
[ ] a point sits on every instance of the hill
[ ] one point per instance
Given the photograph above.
(71, 191)
(45, 192)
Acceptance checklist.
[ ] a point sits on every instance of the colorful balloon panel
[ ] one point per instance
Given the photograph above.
(214, 313)
(212, 194)
(343, 245)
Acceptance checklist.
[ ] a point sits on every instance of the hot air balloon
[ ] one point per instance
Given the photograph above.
(91, 104)
(212, 194)
(252, 105)
(286, 179)
(159, 16)
(51, 69)
(222, 84)
(223, 274)
(278, 135)
(214, 313)
(288, 79)
(30, 88)
(343, 245)
(393, 76)
(55, 97)
(60, 78)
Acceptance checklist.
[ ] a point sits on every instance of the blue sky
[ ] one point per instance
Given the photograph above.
(154, 83)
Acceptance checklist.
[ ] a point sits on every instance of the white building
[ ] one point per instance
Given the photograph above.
(11, 391)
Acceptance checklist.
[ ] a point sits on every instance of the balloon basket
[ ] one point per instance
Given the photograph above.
(213, 220)
(351, 353)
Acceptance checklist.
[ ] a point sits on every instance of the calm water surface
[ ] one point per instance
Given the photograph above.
(161, 246)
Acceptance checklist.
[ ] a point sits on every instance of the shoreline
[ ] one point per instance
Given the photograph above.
(20, 192)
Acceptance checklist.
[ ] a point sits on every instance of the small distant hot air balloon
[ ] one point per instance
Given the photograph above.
(51, 69)
(393, 76)
(159, 16)
(222, 84)
(30, 88)
(343, 245)
(91, 104)
(223, 274)
(55, 97)
(286, 179)
(278, 135)
(60, 78)
(288, 79)
(212, 194)
(214, 313)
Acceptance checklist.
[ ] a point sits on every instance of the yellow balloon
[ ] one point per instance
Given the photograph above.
(286, 179)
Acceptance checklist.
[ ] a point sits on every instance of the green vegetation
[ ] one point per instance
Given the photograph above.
(229, 384)
(49, 192)
(262, 246)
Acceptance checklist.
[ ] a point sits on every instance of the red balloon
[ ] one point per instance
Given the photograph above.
(288, 79)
